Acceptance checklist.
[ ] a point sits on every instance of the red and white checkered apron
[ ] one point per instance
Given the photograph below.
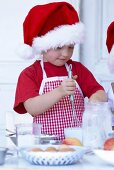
(60, 115)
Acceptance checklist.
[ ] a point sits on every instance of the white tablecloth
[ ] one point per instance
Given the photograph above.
(88, 162)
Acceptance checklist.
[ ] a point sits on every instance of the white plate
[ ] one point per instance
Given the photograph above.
(105, 155)
(47, 137)
(53, 158)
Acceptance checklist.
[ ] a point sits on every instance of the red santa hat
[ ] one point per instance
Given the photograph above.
(51, 25)
(110, 46)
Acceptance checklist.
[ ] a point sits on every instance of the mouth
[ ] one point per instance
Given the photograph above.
(62, 59)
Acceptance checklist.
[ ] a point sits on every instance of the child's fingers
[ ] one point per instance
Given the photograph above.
(74, 77)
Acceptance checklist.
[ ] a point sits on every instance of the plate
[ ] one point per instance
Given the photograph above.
(47, 137)
(52, 158)
(107, 156)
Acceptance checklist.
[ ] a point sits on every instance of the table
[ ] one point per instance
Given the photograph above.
(88, 162)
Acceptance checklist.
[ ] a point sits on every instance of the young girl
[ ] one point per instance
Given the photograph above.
(110, 45)
(44, 89)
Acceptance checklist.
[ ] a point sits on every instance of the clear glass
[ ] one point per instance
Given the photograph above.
(28, 134)
(75, 132)
(96, 124)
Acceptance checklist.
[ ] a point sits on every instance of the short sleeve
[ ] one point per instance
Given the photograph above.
(87, 81)
(26, 88)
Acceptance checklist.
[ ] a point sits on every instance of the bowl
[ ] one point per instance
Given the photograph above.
(105, 155)
(52, 158)
(13, 139)
(3, 152)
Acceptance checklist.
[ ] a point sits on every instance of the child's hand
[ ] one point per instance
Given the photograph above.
(74, 77)
(68, 86)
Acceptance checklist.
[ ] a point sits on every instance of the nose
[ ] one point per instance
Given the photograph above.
(65, 51)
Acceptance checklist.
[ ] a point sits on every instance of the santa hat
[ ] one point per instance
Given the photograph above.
(51, 25)
(110, 45)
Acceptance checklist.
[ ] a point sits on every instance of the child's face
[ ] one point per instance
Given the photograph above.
(58, 56)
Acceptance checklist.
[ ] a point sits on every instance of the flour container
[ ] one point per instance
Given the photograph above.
(96, 124)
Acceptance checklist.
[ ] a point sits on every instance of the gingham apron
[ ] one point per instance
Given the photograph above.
(60, 116)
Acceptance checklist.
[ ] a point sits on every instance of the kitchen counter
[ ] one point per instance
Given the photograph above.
(89, 161)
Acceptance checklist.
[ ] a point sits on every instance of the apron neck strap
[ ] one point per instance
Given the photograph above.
(44, 73)
(42, 65)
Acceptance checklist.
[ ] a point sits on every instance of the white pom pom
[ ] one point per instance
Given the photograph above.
(111, 60)
(25, 51)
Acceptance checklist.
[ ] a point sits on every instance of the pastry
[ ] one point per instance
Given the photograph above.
(36, 150)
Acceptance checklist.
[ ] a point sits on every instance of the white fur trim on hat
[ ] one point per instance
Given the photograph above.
(60, 36)
(111, 60)
(25, 51)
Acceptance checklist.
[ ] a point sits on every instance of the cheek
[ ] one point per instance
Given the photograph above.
(54, 55)
(71, 52)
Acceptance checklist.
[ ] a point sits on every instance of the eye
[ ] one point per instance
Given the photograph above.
(59, 48)
(71, 46)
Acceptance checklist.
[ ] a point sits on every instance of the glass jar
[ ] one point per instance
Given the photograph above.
(96, 124)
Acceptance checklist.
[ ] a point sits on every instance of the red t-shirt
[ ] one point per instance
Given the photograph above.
(30, 80)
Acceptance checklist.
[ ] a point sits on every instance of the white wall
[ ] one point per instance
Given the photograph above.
(12, 14)
(97, 15)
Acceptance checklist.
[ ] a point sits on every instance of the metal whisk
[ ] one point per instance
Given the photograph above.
(74, 115)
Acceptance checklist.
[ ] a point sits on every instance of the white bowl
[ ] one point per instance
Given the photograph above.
(52, 158)
(105, 155)
(3, 152)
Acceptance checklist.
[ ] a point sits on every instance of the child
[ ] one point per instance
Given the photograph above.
(44, 89)
(110, 45)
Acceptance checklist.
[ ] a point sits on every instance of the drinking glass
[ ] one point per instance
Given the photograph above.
(73, 132)
(96, 124)
(28, 134)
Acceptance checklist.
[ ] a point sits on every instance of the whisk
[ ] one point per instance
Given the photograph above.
(74, 115)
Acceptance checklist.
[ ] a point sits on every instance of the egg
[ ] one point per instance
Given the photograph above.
(36, 150)
(51, 149)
